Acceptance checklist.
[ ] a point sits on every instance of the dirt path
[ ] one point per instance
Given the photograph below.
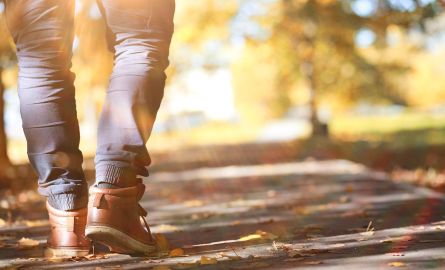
(306, 215)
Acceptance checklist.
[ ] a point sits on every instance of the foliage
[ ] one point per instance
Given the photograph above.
(317, 42)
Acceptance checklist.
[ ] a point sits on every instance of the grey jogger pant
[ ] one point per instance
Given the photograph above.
(139, 34)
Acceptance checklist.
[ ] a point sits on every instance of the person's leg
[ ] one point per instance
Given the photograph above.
(140, 32)
(42, 31)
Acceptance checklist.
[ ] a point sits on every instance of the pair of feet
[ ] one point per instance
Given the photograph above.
(113, 218)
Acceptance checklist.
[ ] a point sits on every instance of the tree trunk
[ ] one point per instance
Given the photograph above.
(308, 69)
(6, 169)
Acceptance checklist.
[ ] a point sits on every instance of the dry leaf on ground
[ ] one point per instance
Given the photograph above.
(208, 260)
(396, 264)
(35, 223)
(176, 252)
(165, 228)
(259, 235)
(27, 243)
(194, 203)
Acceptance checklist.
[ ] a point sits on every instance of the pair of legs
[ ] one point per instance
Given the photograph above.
(139, 34)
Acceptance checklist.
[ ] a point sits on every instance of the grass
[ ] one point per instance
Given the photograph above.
(407, 129)
(382, 125)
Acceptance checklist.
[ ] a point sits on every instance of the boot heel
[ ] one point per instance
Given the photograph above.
(117, 241)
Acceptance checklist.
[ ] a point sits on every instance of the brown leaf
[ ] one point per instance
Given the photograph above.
(177, 252)
(208, 260)
(27, 243)
(259, 235)
(194, 203)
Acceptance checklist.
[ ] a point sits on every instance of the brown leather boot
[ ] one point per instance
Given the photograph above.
(114, 220)
(67, 237)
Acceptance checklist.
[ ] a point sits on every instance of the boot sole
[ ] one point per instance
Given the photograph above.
(65, 252)
(117, 241)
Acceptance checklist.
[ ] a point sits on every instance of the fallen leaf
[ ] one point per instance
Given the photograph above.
(165, 228)
(194, 203)
(250, 237)
(35, 223)
(176, 252)
(27, 243)
(396, 264)
(259, 235)
(208, 260)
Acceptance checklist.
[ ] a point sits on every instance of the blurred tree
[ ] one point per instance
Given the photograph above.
(319, 40)
(7, 59)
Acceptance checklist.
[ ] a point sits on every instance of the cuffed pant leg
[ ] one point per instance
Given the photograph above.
(140, 32)
(43, 33)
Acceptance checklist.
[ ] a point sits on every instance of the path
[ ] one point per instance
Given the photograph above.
(307, 215)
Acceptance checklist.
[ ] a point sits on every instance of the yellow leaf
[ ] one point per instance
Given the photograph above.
(266, 235)
(177, 252)
(28, 243)
(396, 264)
(2, 222)
(35, 223)
(259, 235)
(194, 203)
(165, 228)
(250, 237)
(208, 260)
